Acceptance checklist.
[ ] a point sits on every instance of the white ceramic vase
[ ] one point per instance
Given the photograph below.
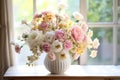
(59, 65)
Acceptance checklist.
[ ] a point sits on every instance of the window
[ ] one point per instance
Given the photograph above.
(103, 17)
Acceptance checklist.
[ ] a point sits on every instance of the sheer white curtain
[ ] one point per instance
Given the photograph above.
(6, 35)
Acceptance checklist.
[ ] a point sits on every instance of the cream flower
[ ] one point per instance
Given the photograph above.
(96, 43)
(49, 36)
(78, 16)
(90, 33)
(57, 46)
(89, 42)
(93, 53)
(35, 37)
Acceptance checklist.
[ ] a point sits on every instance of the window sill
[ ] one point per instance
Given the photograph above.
(75, 72)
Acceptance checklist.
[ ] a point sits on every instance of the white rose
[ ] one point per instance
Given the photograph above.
(78, 16)
(35, 38)
(93, 53)
(50, 36)
(57, 46)
(90, 33)
(96, 43)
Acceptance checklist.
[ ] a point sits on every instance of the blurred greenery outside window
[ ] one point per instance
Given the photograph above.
(98, 11)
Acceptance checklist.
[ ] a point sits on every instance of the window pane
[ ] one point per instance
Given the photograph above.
(100, 10)
(119, 10)
(118, 49)
(22, 10)
(73, 5)
(46, 4)
(52, 5)
(105, 50)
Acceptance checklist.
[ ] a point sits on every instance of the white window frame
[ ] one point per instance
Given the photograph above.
(115, 24)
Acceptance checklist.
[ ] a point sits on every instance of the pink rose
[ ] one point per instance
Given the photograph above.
(60, 35)
(67, 44)
(77, 34)
(46, 47)
(17, 48)
(43, 25)
(84, 27)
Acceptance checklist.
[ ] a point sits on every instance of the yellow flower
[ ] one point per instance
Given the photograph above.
(70, 22)
(79, 50)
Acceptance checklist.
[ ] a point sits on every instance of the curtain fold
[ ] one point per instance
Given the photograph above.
(6, 35)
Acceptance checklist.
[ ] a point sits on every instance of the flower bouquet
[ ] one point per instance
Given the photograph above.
(58, 33)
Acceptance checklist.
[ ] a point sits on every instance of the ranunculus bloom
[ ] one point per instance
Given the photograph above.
(77, 33)
(46, 47)
(67, 45)
(60, 35)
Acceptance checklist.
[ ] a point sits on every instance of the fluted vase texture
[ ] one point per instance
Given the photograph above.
(59, 65)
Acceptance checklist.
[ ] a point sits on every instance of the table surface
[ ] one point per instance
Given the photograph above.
(73, 71)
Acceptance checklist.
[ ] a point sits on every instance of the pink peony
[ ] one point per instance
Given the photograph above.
(77, 34)
(60, 35)
(67, 44)
(46, 47)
